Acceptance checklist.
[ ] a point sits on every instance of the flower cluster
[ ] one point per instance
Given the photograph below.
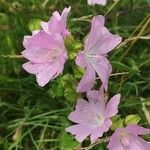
(46, 52)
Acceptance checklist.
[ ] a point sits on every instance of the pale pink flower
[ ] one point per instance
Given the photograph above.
(94, 57)
(128, 139)
(99, 2)
(93, 116)
(46, 54)
(57, 23)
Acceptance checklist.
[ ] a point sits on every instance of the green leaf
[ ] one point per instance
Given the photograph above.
(4, 19)
(78, 72)
(72, 47)
(124, 67)
(117, 122)
(69, 82)
(132, 119)
(67, 142)
(67, 78)
(70, 93)
(34, 24)
(56, 90)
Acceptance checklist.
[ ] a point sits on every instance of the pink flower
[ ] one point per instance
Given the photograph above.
(99, 2)
(93, 116)
(128, 139)
(45, 49)
(46, 54)
(57, 23)
(94, 57)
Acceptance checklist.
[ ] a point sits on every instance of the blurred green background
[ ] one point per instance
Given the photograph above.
(34, 118)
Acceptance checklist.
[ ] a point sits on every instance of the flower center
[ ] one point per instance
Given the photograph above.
(89, 56)
(53, 54)
(99, 120)
(94, 57)
(124, 140)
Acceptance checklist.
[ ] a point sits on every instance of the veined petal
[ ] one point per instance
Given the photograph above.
(137, 130)
(100, 40)
(44, 53)
(27, 37)
(52, 26)
(47, 74)
(83, 113)
(57, 23)
(103, 69)
(37, 55)
(81, 131)
(81, 60)
(136, 143)
(93, 36)
(44, 71)
(96, 99)
(64, 16)
(34, 68)
(43, 40)
(112, 106)
(105, 42)
(44, 26)
(87, 81)
(114, 141)
(99, 131)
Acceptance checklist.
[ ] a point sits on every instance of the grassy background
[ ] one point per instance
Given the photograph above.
(34, 118)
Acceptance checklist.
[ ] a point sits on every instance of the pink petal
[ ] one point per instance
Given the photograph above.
(56, 15)
(100, 40)
(81, 60)
(44, 26)
(136, 143)
(83, 113)
(43, 40)
(105, 42)
(59, 40)
(47, 74)
(87, 80)
(37, 52)
(52, 26)
(44, 72)
(57, 23)
(112, 106)
(96, 99)
(103, 69)
(61, 63)
(26, 38)
(114, 141)
(99, 2)
(99, 131)
(64, 16)
(137, 130)
(92, 38)
(145, 144)
(80, 131)
(37, 55)
(34, 68)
